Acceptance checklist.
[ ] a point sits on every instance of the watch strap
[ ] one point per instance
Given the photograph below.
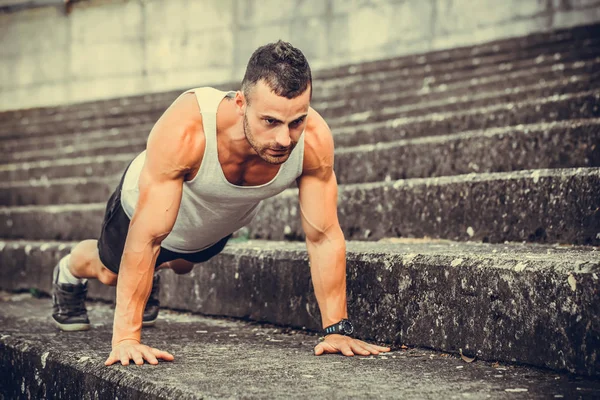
(336, 328)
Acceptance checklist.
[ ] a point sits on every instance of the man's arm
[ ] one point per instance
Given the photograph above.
(170, 155)
(325, 241)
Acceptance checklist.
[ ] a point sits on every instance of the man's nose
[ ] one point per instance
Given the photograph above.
(283, 137)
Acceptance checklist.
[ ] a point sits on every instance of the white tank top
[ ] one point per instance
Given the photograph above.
(212, 207)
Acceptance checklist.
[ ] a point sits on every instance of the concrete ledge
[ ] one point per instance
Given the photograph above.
(367, 96)
(402, 91)
(217, 358)
(58, 168)
(59, 191)
(65, 222)
(565, 144)
(545, 62)
(76, 139)
(547, 206)
(28, 370)
(93, 148)
(548, 109)
(489, 109)
(574, 84)
(436, 294)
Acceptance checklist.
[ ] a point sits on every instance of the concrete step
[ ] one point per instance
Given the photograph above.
(553, 108)
(408, 78)
(276, 362)
(518, 45)
(383, 111)
(485, 103)
(547, 206)
(436, 294)
(565, 144)
(386, 93)
(429, 91)
(119, 145)
(82, 123)
(28, 143)
(475, 67)
(72, 190)
(544, 109)
(45, 170)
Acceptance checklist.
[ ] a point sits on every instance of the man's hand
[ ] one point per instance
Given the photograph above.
(132, 350)
(348, 346)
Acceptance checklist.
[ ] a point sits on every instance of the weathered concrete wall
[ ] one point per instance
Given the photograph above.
(112, 48)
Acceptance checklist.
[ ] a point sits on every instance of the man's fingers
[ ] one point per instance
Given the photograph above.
(148, 356)
(324, 348)
(358, 349)
(380, 348)
(372, 349)
(162, 354)
(124, 359)
(111, 360)
(137, 357)
(347, 351)
(373, 346)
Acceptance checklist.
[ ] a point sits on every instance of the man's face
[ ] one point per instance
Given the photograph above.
(273, 124)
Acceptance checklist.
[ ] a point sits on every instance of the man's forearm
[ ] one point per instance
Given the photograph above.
(133, 288)
(328, 272)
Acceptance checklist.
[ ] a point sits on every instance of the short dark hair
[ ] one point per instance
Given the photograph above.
(283, 68)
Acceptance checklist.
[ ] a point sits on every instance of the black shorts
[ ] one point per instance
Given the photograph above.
(114, 232)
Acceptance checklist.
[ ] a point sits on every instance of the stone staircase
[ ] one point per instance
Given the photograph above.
(469, 194)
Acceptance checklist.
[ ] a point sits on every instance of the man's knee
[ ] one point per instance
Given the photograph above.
(107, 277)
(180, 266)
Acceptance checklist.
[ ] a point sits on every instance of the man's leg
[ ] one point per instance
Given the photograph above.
(84, 262)
(152, 308)
(179, 266)
(69, 285)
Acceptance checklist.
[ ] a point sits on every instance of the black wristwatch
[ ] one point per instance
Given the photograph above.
(344, 327)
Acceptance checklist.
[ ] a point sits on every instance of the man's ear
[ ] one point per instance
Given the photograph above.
(240, 102)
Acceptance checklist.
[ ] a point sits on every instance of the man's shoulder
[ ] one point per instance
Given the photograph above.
(179, 132)
(317, 132)
(318, 143)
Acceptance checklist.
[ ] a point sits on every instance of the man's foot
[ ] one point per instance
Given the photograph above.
(68, 304)
(153, 304)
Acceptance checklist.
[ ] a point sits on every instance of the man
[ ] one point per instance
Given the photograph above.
(209, 161)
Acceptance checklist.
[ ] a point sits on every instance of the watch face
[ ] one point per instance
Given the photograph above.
(347, 327)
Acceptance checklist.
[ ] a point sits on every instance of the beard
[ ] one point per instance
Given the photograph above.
(261, 149)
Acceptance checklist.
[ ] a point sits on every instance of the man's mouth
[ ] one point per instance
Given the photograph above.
(278, 151)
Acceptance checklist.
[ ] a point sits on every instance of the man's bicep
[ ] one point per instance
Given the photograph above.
(158, 205)
(169, 156)
(318, 204)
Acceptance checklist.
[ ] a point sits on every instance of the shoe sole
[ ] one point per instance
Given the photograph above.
(72, 327)
(148, 323)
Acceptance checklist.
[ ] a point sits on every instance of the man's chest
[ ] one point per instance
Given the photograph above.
(248, 174)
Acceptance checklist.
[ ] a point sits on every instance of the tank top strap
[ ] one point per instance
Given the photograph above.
(208, 100)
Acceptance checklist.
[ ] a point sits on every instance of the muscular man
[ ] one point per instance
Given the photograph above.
(211, 158)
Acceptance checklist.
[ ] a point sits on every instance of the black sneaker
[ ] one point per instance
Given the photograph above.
(68, 304)
(153, 304)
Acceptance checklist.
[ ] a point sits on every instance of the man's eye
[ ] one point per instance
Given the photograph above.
(298, 122)
(270, 121)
